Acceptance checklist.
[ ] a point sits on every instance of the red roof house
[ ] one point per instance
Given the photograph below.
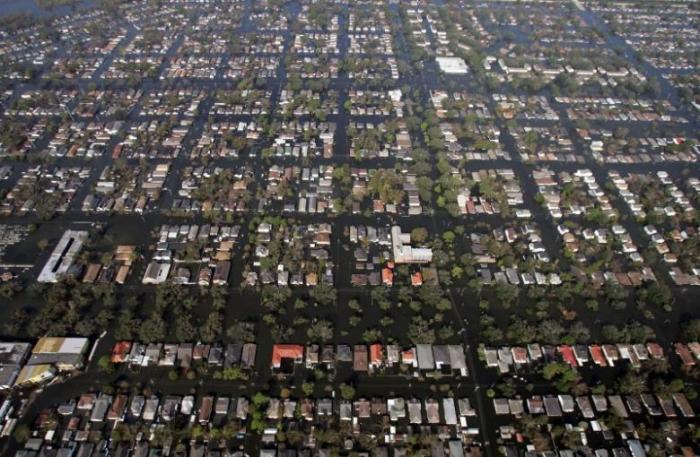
(287, 351)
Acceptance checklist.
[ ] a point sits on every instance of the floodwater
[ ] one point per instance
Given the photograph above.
(244, 304)
(10, 7)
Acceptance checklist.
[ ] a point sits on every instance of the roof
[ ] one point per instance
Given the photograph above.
(8, 375)
(597, 355)
(35, 374)
(425, 357)
(50, 345)
(120, 351)
(375, 354)
(286, 351)
(568, 354)
(360, 358)
(13, 353)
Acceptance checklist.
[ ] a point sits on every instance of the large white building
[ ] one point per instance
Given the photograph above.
(452, 65)
(63, 255)
(403, 252)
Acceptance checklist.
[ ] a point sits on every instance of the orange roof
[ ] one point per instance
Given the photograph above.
(286, 351)
(387, 276)
(568, 354)
(655, 350)
(684, 354)
(417, 279)
(375, 354)
(120, 351)
(597, 355)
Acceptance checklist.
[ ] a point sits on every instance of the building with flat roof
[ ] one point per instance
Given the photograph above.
(452, 65)
(402, 250)
(8, 376)
(14, 353)
(35, 374)
(64, 353)
(63, 255)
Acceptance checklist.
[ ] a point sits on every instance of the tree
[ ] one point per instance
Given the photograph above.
(449, 237)
(550, 331)
(691, 331)
(184, 330)
(241, 332)
(126, 325)
(505, 293)
(632, 384)
(579, 332)
(307, 388)
(321, 330)
(105, 364)
(419, 235)
(520, 332)
(565, 378)
(419, 331)
(152, 330)
(212, 328)
(655, 294)
(231, 374)
(22, 433)
(347, 391)
(18, 319)
(324, 294)
(371, 335)
(260, 399)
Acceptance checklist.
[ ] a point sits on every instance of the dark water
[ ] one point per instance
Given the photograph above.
(11, 7)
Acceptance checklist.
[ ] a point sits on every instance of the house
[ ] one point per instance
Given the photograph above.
(184, 355)
(35, 374)
(205, 409)
(360, 362)
(150, 408)
(500, 406)
(221, 273)
(425, 357)
(156, 273)
(567, 354)
(432, 411)
(387, 277)
(552, 406)
(684, 354)
(376, 356)
(232, 355)
(441, 356)
(457, 358)
(65, 353)
(408, 357)
(597, 355)
(99, 410)
(221, 406)
(120, 352)
(287, 353)
(683, 405)
(414, 411)
(118, 407)
(449, 411)
(396, 407)
(248, 356)
(362, 408)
